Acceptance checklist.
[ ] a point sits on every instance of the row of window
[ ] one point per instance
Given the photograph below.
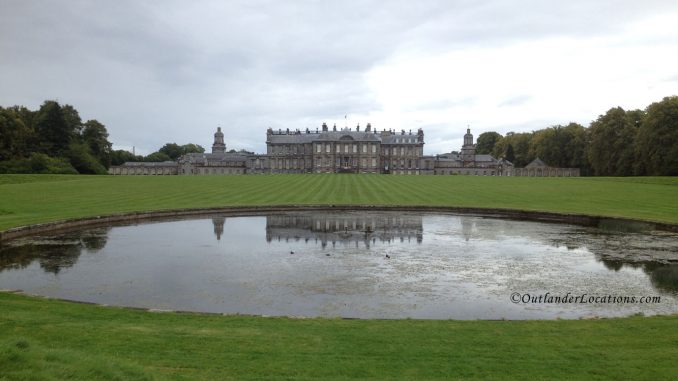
(296, 149)
(406, 140)
(404, 151)
(346, 162)
(346, 148)
(225, 164)
(401, 163)
(389, 223)
(466, 172)
(288, 163)
(394, 227)
(213, 171)
(332, 170)
(291, 149)
(143, 171)
(341, 162)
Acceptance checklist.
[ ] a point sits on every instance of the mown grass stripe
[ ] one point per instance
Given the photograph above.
(34, 201)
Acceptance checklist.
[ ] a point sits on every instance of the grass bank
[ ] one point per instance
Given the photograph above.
(47, 339)
(29, 199)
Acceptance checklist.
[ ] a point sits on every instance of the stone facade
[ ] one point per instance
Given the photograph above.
(342, 150)
(144, 168)
(321, 151)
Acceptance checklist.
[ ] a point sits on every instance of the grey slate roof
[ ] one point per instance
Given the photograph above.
(457, 157)
(302, 137)
(292, 138)
(485, 158)
(536, 163)
(505, 162)
(149, 164)
(448, 157)
(345, 135)
(400, 139)
(213, 157)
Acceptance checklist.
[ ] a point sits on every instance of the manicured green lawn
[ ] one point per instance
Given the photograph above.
(28, 199)
(46, 339)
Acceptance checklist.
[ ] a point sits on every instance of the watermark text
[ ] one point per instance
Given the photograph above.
(581, 298)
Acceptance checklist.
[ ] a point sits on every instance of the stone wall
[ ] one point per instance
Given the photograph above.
(143, 170)
(547, 172)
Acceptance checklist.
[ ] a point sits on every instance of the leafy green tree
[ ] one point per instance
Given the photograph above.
(28, 118)
(191, 148)
(25, 115)
(578, 140)
(41, 163)
(501, 146)
(509, 154)
(83, 160)
(548, 144)
(172, 150)
(604, 132)
(157, 156)
(486, 142)
(53, 133)
(561, 146)
(520, 143)
(119, 157)
(42, 141)
(612, 147)
(38, 163)
(95, 136)
(72, 118)
(626, 142)
(657, 139)
(15, 136)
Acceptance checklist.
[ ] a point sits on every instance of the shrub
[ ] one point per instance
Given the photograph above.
(38, 163)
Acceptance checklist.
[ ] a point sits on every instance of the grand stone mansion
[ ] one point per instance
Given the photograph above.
(342, 150)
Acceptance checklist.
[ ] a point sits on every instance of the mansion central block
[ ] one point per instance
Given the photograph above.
(342, 150)
(345, 150)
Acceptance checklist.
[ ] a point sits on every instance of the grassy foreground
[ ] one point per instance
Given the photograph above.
(29, 199)
(47, 339)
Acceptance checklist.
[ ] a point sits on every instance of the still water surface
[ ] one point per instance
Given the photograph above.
(353, 264)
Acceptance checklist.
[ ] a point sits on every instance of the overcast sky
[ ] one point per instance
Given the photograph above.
(172, 71)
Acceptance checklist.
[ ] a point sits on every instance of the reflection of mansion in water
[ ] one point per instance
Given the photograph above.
(342, 150)
(336, 228)
(344, 228)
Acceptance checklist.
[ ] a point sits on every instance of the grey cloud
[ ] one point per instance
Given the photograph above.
(172, 71)
(493, 22)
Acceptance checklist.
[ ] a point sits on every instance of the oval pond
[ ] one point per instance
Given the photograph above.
(356, 265)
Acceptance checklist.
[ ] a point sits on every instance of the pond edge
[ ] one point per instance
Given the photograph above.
(515, 214)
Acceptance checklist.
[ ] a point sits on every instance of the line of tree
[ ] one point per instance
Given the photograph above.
(618, 143)
(52, 139)
(168, 152)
